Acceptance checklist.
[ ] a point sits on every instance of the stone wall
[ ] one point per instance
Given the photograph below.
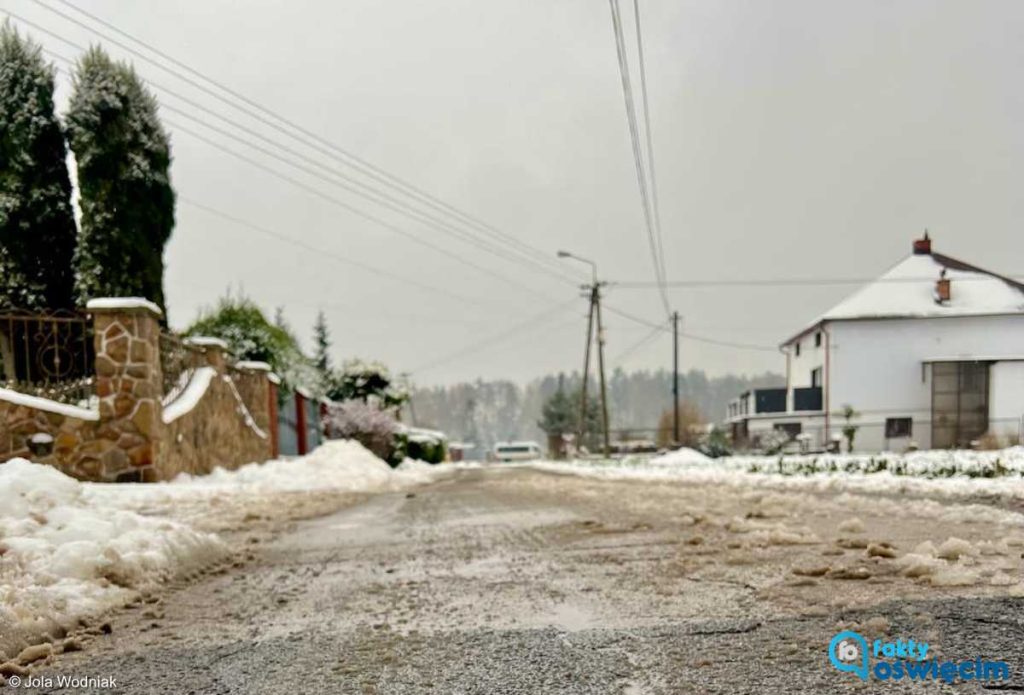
(129, 384)
(228, 427)
(125, 438)
(73, 446)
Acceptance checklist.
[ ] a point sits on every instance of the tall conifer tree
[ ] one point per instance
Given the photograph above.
(124, 156)
(37, 226)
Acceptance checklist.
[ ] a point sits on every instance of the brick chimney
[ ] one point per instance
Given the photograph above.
(923, 246)
(943, 289)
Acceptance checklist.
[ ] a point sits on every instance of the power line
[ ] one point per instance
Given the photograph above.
(325, 253)
(792, 282)
(655, 333)
(627, 93)
(374, 196)
(340, 154)
(691, 336)
(524, 327)
(650, 138)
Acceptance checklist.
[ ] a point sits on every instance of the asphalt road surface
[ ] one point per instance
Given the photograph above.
(518, 581)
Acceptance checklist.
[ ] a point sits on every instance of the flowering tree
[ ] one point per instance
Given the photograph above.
(366, 423)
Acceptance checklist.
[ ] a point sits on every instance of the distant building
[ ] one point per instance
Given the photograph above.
(931, 353)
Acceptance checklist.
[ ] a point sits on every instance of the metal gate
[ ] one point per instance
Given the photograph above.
(298, 424)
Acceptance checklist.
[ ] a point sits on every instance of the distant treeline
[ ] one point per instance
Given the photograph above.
(486, 412)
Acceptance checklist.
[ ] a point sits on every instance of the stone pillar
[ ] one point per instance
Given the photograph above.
(129, 384)
(214, 351)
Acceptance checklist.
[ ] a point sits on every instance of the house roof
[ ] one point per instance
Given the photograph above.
(907, 290)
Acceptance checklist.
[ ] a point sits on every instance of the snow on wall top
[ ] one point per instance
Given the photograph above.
(206, 341)
(46, 405)
(908, 290)
(254, 366)
(191, 396)
(122, 303)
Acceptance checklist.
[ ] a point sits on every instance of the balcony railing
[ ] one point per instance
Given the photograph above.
(770, 401)
(807, 398)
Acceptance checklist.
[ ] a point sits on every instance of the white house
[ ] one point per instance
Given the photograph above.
(932, 352)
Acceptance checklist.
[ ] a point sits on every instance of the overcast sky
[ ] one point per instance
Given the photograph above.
(793, 139)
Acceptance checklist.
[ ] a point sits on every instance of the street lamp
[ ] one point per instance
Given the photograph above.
(595, 313)
(593, 266)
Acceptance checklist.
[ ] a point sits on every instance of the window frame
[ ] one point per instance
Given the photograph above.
(892, 431)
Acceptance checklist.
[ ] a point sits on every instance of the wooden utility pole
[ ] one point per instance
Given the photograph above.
(600, 362)
(675, 378)
(586, 370)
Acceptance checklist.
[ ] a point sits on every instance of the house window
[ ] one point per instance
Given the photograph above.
(792, 429)
(816, 378)
(817, 339)
(898, 427)
(797, 349)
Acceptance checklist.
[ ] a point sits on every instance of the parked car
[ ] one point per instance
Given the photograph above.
(517, 451)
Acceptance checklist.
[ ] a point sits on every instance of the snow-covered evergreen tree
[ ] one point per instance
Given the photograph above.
(124, 157)
(37, 226)
(322, 345)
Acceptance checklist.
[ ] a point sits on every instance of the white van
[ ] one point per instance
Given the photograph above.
(517, 451)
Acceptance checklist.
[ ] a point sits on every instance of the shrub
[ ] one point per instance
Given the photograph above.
(372, 427)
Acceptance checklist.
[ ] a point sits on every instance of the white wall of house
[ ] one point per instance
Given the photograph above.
(876, 366)
(801, 366)
(1006, 397)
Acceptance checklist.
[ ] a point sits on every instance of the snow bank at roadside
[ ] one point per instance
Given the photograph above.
(69, 551)
(64, 559)
(927, 474)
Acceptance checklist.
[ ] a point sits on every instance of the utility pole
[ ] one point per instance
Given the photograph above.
(675, 378)
(600, 363)
(586, 371)
(595, 311)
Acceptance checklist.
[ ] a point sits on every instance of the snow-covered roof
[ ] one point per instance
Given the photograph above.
(908, 290)
(101, 303)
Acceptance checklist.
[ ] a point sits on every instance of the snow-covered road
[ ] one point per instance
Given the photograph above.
(507, 579)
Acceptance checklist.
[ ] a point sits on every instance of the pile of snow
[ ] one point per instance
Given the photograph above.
(337, 465)
(63, 558)
(70, 551)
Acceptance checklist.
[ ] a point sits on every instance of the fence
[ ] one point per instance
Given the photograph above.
(299, 423)
(178, 362)
(49, 355)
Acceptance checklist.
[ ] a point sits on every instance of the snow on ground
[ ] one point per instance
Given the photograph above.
(63, 559)
(69, 551)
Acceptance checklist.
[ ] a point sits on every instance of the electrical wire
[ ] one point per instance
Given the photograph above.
(631, 120)
(650, 140)
(655, 333)
(691, 336)
(794, 282)
(524, 327)
(339, 154)
(360, 189)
